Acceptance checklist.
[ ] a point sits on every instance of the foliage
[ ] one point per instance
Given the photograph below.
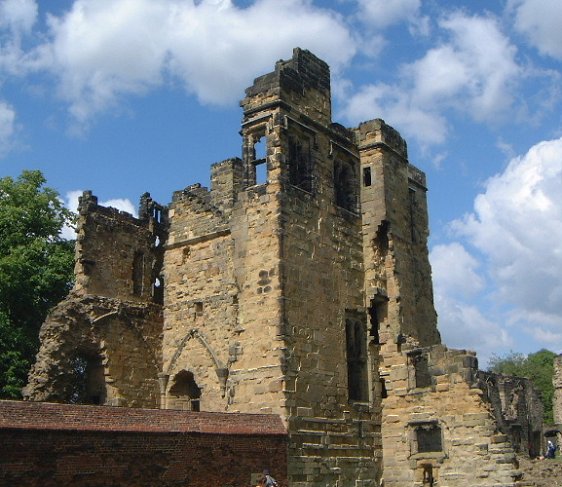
(36, 270)
(538, 366)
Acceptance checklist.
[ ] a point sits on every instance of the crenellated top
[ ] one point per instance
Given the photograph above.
(294, 83)
(375, 133)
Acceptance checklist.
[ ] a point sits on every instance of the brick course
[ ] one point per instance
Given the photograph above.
(58, 444)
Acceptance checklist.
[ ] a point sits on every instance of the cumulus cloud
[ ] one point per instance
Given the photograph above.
(455, 270)
(384, 13)
(7, 127)
(473, 71)
(516, 228)
(540, 21)
(517, 224)
(100, 51)
(18, 16)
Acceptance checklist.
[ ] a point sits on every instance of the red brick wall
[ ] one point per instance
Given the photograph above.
(48, 445)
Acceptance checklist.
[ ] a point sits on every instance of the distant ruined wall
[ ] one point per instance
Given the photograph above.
(102, 343)
(557, 400)
(438, 427)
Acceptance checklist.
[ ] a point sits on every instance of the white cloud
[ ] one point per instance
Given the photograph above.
(463, 325)
(540, 21)
(384, 13)
(122, 204)
(7, 127)
(101, 51)
(18, 16)
(473, 72)
(455, 270)
(516, 227)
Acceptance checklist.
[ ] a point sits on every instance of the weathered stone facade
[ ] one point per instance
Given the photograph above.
(298, 285)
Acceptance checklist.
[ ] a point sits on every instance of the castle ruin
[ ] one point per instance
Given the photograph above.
(298, 285)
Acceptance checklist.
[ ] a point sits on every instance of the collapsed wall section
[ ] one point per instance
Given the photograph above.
(98, 350)
(118, 255)
(101, 345)
(438, 426)
(395, 233)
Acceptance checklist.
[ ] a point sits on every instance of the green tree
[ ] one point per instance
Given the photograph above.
(538, 366)
(36, 270)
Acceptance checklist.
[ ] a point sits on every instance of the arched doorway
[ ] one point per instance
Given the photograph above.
(184, 393)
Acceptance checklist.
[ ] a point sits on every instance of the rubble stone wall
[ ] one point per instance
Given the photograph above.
(443, 433)
(116, 254)
(82, 357)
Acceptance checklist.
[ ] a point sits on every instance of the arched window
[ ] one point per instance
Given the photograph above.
(87, 383)
(184, 394)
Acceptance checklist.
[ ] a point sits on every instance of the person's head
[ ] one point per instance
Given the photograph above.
(266, 471)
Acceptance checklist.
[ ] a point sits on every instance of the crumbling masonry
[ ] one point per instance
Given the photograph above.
(298, 285)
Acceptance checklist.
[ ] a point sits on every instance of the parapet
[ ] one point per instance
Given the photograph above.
(295, 82)
(377, 133)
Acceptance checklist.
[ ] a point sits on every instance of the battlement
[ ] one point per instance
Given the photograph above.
(376, 133)
(302, 83)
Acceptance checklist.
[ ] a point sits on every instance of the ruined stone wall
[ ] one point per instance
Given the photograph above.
(116, 254)
(395, 232)
(557, 383)
(518, 410)
(438, 429)
(99, 350)
(51, 445)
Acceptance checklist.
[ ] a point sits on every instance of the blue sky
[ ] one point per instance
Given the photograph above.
(127, 96)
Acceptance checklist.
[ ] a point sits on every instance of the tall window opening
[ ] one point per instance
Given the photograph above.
(344, 186)
(87, 383)
(357, 373)
(412, 207)
(260, 160)
(375, 323)
(366, 176)
(138, 273)
(422, 375)
(300, 163)
(184, 394)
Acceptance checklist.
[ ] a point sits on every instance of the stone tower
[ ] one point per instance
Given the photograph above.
(264, 281)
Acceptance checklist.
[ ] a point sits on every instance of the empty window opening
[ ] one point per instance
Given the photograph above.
(158, 290)
(413, 204)
(198, 308)
(344, 186)
(261, 173)
(384, 392)
(259, 160)
(300, 163)
(422, 376)
(138, 273)
(428, 438)
(375, 323)
(260, 149)
(366, 176)
(87, 383)
(184, 394)
(357, 375)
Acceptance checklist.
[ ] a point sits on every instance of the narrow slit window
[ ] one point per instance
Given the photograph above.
(366, 176)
